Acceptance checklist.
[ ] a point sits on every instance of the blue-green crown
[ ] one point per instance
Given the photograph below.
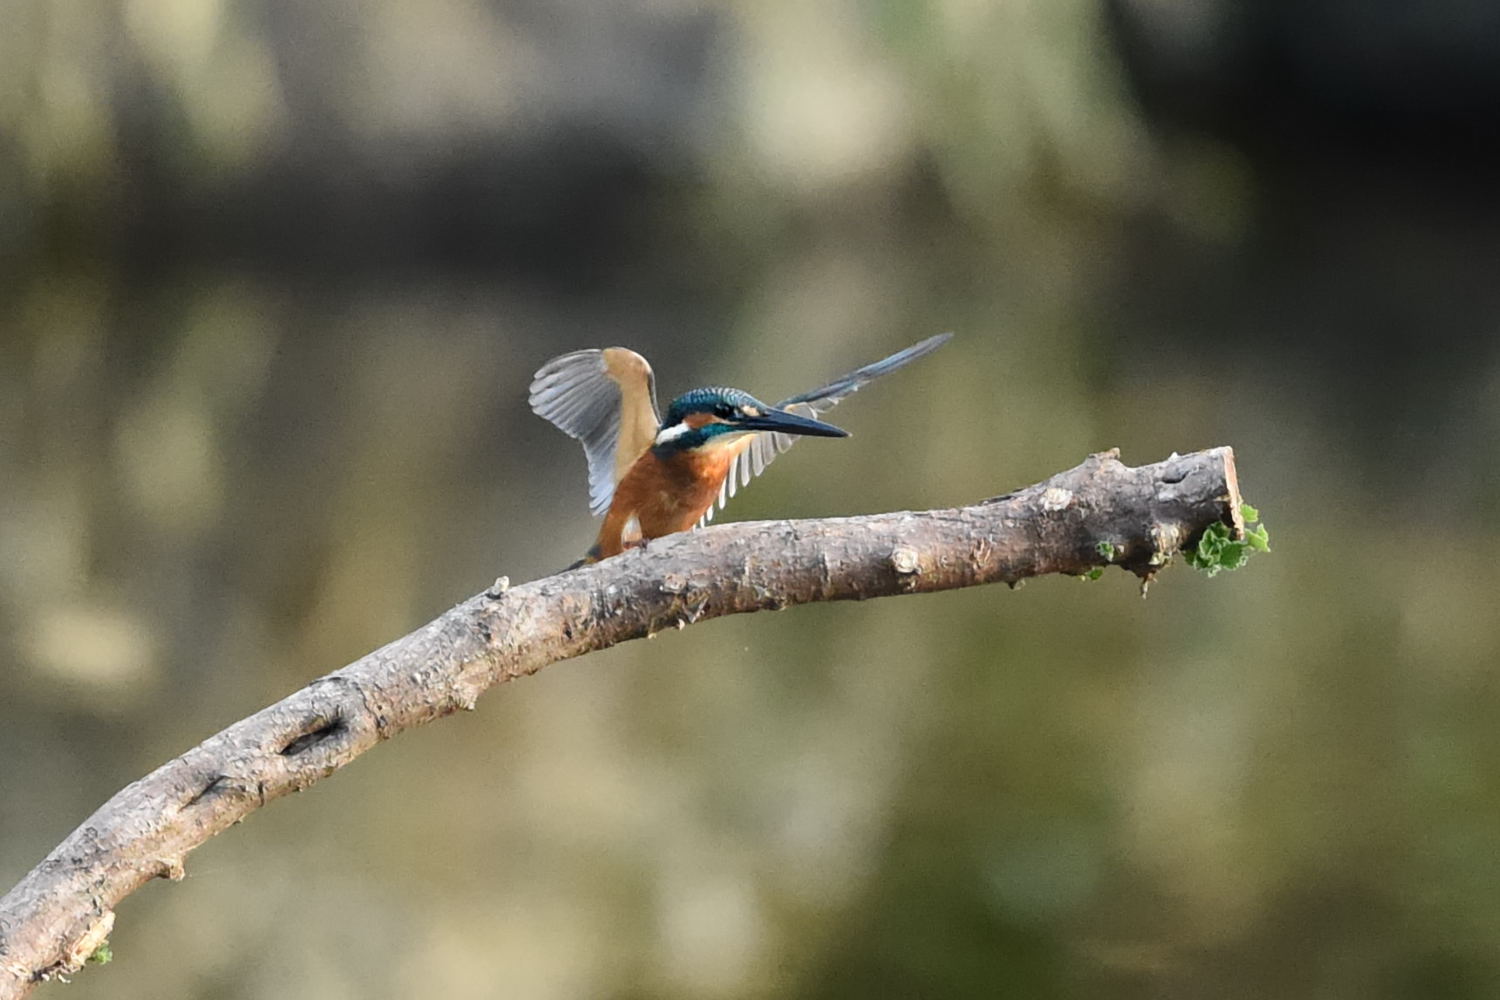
(708, 400)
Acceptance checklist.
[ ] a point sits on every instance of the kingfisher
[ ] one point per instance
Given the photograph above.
(652, 475)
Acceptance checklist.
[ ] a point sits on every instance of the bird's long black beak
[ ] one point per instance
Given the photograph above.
(783, 422)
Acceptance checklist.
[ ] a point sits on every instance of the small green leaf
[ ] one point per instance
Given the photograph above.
(1094, 573)
(102, 955)
(1217, 550)
(1106, 549)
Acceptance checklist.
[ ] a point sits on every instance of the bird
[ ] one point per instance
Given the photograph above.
(652, 475)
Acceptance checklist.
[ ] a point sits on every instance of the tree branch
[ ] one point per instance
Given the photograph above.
(64, 908)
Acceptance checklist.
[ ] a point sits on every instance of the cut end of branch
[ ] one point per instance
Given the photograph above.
(1232, 497)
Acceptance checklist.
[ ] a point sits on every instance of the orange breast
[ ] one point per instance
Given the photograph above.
(664, 495)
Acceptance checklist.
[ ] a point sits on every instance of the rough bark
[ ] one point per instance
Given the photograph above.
(64, 908)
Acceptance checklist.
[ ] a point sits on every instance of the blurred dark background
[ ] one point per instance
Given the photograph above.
(273, 280)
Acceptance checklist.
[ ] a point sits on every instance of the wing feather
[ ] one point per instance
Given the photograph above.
(763, 449)
(607, 401)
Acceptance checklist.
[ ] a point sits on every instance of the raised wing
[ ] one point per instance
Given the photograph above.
(760, 450)
(605, 399)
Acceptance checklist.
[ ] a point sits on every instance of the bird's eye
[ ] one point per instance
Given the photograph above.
(723, 411)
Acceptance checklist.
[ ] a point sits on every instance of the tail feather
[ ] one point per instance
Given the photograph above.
(589, 558)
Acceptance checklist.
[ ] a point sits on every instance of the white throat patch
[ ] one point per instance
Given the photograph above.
(672, 433)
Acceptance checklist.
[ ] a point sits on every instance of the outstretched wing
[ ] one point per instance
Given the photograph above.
(761, 450)
(607, 400)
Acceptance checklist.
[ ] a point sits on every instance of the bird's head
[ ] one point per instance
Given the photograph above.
(717, 415)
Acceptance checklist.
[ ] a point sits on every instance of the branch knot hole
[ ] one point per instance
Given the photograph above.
(212, 788)
(317, 731)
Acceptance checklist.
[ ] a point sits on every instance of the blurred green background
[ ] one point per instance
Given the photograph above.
(273, 280)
